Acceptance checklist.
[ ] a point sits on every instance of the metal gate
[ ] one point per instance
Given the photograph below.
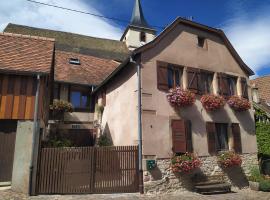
(7, 145)
(79, 170)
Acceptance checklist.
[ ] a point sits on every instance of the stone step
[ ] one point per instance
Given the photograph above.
(213, 188)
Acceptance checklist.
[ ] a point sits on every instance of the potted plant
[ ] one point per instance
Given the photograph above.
(178, 97)
(212, 102)
(229, 159)
(59, 107)
(185, 163)
(238, 103)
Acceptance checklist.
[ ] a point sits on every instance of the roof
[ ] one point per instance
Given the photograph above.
(204, 28)
(166, 31)
(91, 71)
(25, 54)
(263, 83)
(71, 42)
(137, 16)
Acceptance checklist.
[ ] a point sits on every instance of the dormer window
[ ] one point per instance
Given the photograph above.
(142, 37)
(74, 61)
(201, 41)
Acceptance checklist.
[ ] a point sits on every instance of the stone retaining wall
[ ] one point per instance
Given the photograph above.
(163, 180)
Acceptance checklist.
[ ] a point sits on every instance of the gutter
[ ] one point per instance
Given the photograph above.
(33, 166)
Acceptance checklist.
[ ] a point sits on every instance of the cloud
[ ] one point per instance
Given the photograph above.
(249, 34)
(30, 14)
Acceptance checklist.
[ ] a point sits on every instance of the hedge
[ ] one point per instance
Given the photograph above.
(263, 137)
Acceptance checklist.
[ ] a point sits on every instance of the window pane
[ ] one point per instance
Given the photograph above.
(177, 77)
(85, 101)
(232, 85)
(75, 99)
(170, 77)
(222, 137)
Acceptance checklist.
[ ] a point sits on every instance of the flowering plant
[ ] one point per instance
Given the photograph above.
(212, 102)
(229, 159)
(185, 163)
(179, 98)
(59, 107)
(238, 103)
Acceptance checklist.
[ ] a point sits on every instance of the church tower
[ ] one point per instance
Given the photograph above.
(138, 31)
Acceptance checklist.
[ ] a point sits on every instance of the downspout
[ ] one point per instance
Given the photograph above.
(35, 132)
(141, 188)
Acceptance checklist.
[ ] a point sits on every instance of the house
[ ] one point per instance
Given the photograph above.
(81, 63)
(26, 64)
(130, 79)
(261, 94)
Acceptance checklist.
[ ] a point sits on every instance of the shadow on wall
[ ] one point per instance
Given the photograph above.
(219, 116)
(237, 177)
(245, 118)
(107, 134)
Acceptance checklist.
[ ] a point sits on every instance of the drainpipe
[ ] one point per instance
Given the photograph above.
(35, 132)
(141, 189)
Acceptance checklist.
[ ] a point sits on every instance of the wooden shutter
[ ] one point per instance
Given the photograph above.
(179, 136)
(223, 84)
(189, 136)
(103, 96)
(211, 137)
(244, 88)
(162, 76)
(237, 138)
(193, 80)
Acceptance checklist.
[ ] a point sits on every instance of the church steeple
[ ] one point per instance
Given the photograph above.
(138, 17)
(138, 31)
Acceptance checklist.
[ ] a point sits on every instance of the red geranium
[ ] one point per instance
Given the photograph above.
(212, 102)
(238, 103)
(178, 97)
(229, 159)
(185, 163)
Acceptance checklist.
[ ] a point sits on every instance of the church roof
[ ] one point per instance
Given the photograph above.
(71, 42)
(138, 19)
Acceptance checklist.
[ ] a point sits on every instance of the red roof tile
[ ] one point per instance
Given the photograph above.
(91, 71)
(22, 53)
(263, 85)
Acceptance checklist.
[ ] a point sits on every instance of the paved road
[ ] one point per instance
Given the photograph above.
(237, 195)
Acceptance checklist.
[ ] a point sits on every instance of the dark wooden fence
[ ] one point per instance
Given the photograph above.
(79, 170)
(7, 145)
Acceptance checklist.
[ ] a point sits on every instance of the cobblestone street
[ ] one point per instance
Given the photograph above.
(236, 195)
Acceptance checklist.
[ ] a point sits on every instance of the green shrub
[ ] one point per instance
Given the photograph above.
(263, 138)
(59, 142)
(103, 140)
(265, 185)
(255, 174)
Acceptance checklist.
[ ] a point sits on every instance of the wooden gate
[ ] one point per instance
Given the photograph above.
(7, 145)
(79, 170)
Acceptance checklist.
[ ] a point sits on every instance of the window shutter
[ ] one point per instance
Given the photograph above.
(179, 136)
(162, 76)
(193, 80)
(103, 96)
(189, 136)
(211, 136)
(244, 88)
(237, 138)
(223, 85)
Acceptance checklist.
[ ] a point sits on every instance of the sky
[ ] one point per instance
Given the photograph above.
(245, 22)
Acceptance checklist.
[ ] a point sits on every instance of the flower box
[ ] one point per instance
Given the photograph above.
(229, 159)
(212, 102)
(238, 103)
(59, 107)
(178, 97)
(185, 163)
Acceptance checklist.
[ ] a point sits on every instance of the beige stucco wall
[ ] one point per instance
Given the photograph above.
(132, 37)
(119, 118)
(180, 47)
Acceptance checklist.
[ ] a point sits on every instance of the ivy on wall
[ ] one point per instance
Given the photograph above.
(263, 137)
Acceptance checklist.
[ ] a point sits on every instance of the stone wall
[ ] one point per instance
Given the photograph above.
(163, 180)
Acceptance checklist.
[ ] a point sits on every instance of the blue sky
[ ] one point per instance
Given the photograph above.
(246, 22)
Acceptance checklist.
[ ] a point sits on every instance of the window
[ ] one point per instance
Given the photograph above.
(79, 99)
(201, 41)
(206, 82)
(227, 84)
(174, 77)
(142, 37)
(222, 137)
(74, 61)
